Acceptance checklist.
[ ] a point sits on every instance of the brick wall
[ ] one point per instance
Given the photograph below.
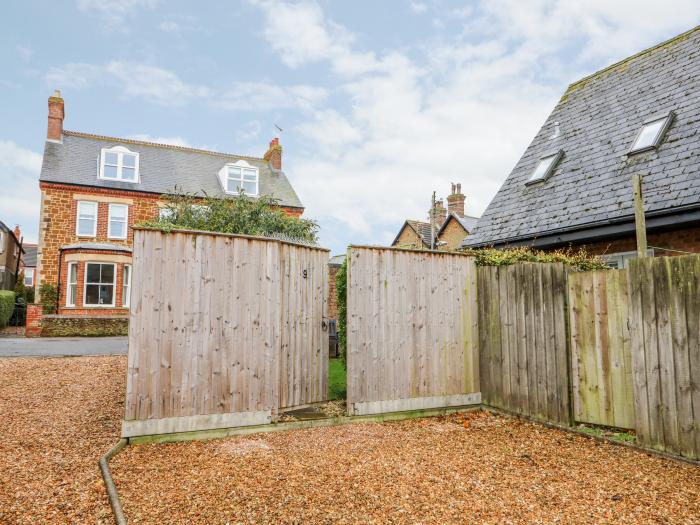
(684, 239)
(34, 319)
(453, 235)
(408, 239)
(332, 297)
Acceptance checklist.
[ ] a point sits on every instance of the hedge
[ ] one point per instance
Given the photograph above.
(7, 306)
(341, 286)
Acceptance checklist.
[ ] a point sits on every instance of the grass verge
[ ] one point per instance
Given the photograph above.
(337, 386)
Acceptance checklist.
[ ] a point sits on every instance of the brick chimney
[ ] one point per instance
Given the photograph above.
(440, 213)
(56, 113)
(455, 201)
(17, 232)
(274, 154)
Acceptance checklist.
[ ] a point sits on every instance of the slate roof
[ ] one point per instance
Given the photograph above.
(29, 257)
(599, 117)
(468, 223)
(336, 260)
(97, 246)
(162, 167)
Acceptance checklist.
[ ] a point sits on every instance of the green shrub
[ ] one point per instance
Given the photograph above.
(341, 286)
(7, 306)
(49, 297)
(242, 215)
(579, 260)
(22, 292)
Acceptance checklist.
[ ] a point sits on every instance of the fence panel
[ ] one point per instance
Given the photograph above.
(601, 358)
(412, 333)
(523, 339)
(665, 330)
(207, 330)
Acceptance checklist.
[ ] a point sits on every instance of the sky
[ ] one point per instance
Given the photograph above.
(380, 103)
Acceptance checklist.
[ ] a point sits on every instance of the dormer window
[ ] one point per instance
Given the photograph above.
(545, 167)
(239, 176)
(118, 163)
(653, 130)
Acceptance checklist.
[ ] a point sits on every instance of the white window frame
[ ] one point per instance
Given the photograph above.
(2, 242)
(69, 295)
(622, 259)
(120, 151)
(85, 285)
(77, 219)
(242, 165)
(126, 286)
(126, 221)
(667, 118)
(556, 157)
(28, 272)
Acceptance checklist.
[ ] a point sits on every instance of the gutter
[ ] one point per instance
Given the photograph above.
(112, 493)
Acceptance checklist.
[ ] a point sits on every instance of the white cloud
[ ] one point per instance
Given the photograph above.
(462, 111)
(25, 53)
(419, 7)
(73, 75)
(169, 26)
(261, 96)
(173, 141)
(19, 200)
(114, 12)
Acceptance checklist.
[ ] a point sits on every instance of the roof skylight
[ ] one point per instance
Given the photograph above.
(651, 133)
(545, 167)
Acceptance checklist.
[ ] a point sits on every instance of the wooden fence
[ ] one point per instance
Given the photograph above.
(224, 331)
(523, 340)
(601, 357)
(411, 330)
(665, 333)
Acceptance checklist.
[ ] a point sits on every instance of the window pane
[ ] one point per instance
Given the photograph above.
(73, 277)
(111, 158)
(166, 213)
(233, 185)
(106, 294)
(117, 212)
(126, 277)
(92, 294)
(107, 273)
(128, 174)
(129, 161)
(29, 277)
(93, 273)
(117, 229)
(234, 172)
(542, 168)
(249, 188)
(648, 135)
(86, 227)
(110, 172)
(72, 293)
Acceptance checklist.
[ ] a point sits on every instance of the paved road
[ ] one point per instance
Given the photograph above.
(61, 346)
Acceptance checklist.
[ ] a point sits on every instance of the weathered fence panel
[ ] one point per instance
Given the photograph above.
(601, 358)
(412, 337)
(212, 332)
(523, 340)
(665, 334)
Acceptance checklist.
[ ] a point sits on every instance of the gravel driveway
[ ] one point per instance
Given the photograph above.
(62, 346)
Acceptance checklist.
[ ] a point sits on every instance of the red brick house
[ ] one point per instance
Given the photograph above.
(451, 225)
(573, 184)
(94, 188)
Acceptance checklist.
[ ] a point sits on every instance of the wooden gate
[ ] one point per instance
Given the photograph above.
(411, 332)
(224, 331)
(601, 357)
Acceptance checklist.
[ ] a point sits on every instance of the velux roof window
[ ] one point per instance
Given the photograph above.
(545, 167)
(653, 130)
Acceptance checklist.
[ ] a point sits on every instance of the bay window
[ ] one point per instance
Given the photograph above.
(100, 279)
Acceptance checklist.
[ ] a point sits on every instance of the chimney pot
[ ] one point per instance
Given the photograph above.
(54, 130)
(455, 202)
(17, 232)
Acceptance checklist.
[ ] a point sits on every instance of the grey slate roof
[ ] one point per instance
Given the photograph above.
(29, 257)
(468, 222)
(336, 260)
(162, 167)
(97, 246)
(600, 116)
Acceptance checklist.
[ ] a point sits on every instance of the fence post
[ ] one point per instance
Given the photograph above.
(35, 313)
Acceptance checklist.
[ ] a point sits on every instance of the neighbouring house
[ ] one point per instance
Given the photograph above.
(10, 255)
(94, 188)
(451, 225)
(573, 184)
(27, 263)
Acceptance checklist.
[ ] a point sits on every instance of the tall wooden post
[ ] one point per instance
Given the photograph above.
(639, 221)
(432, 222)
